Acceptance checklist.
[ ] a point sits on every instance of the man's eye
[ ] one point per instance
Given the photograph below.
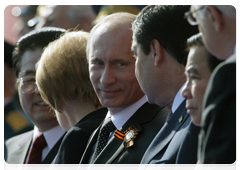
(121, 64)
(193, 77)
(97, 63)
(28, 80)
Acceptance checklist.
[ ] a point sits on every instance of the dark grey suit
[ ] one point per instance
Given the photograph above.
(187, 153)
(217, 139)
(148, 119)
(17, 149)
(75, 141)
(165, 146)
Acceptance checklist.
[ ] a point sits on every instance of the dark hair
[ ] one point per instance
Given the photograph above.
(196, 41)
(166, 24)
(38, 38)
(8, 49)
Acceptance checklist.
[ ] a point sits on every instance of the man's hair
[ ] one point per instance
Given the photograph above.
(195, 42)
(38, 38)
(62, 72)
(166, 24)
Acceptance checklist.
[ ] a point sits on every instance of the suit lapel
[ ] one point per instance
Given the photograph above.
(166, 133)
(92, 141)
(115, 147)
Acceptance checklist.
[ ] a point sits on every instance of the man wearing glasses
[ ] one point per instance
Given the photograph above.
(217, 142)
(41, 144)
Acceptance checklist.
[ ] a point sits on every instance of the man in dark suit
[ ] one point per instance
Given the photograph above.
(217, 140)
(132, 122)
(19, 149)
(159, 38)
(200, 64)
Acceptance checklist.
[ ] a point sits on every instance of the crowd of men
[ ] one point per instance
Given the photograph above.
(158, 87)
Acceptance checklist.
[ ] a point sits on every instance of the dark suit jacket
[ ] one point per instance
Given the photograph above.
(217, 139)
(165, 146)
(148, 119)
(75, 141)
(187, 153)
(17, 149)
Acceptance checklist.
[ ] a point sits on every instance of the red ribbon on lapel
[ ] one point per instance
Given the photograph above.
(128, 136)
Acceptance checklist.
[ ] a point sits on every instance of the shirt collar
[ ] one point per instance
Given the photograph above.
(178, 99)
(120, 118)
(236, 48)
(51, 136)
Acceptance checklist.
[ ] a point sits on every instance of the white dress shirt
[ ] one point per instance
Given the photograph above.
(177, 100)
(120, 118)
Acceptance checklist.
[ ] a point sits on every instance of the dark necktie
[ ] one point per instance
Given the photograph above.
(169, 115)
(103, 137)
(35, 154)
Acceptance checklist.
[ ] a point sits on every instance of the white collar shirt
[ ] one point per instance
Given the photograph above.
(51, 136)
(177, 100)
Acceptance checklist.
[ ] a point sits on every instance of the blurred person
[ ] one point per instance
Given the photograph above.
(41, 144)
(131, 123)
(15, 120)
(105, 10)
(22, 26)
(78, 17)
(217, 140)
(70, 93)
(200, 64)
(159, 68)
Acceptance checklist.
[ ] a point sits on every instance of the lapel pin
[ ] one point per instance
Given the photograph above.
(128, 136)
(180, 119)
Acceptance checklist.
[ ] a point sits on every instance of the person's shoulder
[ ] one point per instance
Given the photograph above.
(18, 138)
(98, 114)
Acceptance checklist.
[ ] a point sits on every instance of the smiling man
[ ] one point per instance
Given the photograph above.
(46, 131)
(132, 120)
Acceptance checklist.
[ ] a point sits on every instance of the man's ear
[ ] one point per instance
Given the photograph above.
(216, 17)
(157, 51)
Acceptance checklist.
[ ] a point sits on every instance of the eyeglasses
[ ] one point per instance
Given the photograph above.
(191, 18)
(27, 84)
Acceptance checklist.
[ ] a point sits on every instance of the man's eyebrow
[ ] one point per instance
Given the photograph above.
(95, 59)
(192, 70)
(26, 72)
(118, 61)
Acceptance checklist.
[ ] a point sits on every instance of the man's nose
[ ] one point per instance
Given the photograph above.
(107, 77)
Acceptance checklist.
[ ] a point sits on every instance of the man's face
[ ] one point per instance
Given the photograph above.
(206, 27)
(32, 103)
(197, 73)
(111, 67)
(144, 71)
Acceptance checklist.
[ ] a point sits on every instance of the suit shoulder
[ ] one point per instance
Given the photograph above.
(18, 138)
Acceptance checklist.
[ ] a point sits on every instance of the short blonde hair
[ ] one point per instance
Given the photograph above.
(62, 72)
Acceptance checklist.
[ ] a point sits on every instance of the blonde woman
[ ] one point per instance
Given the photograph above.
(63, 81)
